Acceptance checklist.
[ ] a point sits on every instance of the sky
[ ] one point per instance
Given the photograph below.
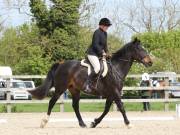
(103, 8)
(11, 15)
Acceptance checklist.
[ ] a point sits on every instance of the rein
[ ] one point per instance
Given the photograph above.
(124, 60)
(127, 60)
(114, 69)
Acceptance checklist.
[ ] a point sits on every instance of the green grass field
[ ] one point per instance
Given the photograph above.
(84, 107)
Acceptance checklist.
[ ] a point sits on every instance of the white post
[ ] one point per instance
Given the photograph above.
(8, 96)
(166, 104)
(178, 110)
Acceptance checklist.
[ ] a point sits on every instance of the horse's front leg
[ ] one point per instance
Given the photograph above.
(106, 110)
(120, 106)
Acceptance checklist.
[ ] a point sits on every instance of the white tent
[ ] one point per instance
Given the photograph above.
(5, 71)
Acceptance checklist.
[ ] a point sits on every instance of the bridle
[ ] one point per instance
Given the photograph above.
(128, 60)
(124, 60)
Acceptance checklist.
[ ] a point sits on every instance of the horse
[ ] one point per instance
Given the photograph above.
(72, 75)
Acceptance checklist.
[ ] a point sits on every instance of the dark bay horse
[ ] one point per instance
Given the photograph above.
(72, 76)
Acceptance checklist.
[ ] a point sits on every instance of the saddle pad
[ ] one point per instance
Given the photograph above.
(85, 63)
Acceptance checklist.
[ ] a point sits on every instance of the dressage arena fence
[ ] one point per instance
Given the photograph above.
(166, 100)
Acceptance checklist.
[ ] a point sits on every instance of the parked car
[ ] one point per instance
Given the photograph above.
(29, 84)
(18, 90)
(165, 79)
(171, 76)
(175, 93)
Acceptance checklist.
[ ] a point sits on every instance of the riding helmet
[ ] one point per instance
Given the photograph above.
(105, 22)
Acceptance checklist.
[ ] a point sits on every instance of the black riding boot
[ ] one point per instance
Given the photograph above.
(91, 82)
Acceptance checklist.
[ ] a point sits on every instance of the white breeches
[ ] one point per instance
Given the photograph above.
(95, 63)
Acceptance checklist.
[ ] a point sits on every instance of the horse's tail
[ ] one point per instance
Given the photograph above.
(41, 91)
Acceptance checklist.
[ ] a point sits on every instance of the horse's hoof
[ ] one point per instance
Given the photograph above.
(93, 125)
(82, 125)
(43, 123)
(129, 126)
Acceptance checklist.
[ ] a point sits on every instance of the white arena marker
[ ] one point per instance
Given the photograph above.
(152, 118)
(69, 120)
(3, 121)
(178, 110)
(114, 119)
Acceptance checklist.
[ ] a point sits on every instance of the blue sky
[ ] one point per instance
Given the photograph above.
(104, 8)
(12, 16)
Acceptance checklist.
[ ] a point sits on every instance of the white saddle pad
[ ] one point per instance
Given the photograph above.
(105, 71)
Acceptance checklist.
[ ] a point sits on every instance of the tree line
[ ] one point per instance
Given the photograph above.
(55, 34)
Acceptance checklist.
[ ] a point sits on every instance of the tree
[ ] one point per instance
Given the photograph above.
(20, 49)
(165, 49)
(136, 16)
(149, 16)
(1, 23)
(59, 23)
(34, 63)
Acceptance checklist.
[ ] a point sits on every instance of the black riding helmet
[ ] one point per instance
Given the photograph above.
(105, 22)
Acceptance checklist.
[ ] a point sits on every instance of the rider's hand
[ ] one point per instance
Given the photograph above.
(108, 56)
(104, 54)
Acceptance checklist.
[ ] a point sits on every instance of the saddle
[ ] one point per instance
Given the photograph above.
(103, 66)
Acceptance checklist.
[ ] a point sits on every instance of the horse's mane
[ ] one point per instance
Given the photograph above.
(115, 77)
(122, 51)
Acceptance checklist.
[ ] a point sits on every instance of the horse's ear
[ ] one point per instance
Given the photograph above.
(136, 40)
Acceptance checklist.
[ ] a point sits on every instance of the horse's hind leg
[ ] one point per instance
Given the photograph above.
(52, 102)
(75, 105)
(106, 110)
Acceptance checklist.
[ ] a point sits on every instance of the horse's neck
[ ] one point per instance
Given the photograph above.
(123, 66)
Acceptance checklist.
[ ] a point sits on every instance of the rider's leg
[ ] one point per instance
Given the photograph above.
(94, 60)
(93, 76)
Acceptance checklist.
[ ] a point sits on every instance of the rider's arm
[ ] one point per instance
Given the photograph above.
(105, 45)
(96, 45)
(106, 49)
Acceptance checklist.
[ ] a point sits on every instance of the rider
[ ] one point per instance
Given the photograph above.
(97, 49)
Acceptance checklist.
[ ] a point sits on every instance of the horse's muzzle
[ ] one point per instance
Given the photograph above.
(147, 61)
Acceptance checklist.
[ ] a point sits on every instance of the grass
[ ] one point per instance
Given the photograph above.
(84, 107)
(154, 106)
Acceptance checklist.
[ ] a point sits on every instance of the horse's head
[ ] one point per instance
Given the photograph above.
(133, 51)
(140, 54)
